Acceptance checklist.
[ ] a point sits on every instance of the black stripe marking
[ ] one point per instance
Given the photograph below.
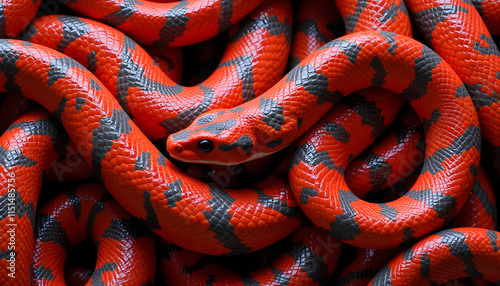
(391, 13)
(42, 273)
(59, 68)
(175, 25)
(226, 14)
(313, 82)
(307, 193)
(77, 204)
(310, 262)
(73, 29)
(21, 208)
(131, 75)
(490, 49)
(271, 24)
(378, 79)
(3, 21)
(308, 154)
(389, 36)
(274, 143)
(383, 277)
(485, 200)
(109, 130)
(184, 118)
(275, 204)
(471, 138)
(425, 268)
(244, 142)
(444, 205)
(427, 123)
(142, 162)
(337, 131)
(127, 9)
(388, 212)
(92, 61)
(273, 113)
(45, 127)
(151, 220)
(122, 229)
(80, 102)
(161, 160)
(15, 157)
(205, 119)
(97, 275)
(310, 27)
(174, 193)
(48, 229)
(480, 98)
(455, 240)
(94, 84)
(244, 70)
(97, 208)
(215, 128)
(219, 218)
(378, 170)
(371, 115)
(424, 65)
(493, 236)
(351, 21)
(427, 20)
(279, 277)
(8, 67)
(345, 226)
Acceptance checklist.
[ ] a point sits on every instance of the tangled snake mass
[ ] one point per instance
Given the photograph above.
(249, 142)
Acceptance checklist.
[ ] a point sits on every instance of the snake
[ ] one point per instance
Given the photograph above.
(89, 212)
(138, 174)
(479, 211)
(157, 104)
(28, 149)
(194, 215)
(455, 30)
(306, 257)
(445, 255)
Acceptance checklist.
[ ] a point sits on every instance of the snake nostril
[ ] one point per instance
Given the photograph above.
(178, 148)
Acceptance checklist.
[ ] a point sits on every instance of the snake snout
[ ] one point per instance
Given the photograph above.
(178, 148)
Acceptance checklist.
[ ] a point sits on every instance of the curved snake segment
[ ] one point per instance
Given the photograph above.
(456, 252)
(183, 210)
(89, 212)
(261, 41)
(307, 257)
(178, 23)
(15, 15)
(393, 158)
(27, 150)
(457, 33)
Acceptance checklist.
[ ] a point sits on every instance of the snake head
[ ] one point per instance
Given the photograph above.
(215, 137)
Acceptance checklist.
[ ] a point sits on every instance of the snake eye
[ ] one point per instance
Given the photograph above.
(205, 145)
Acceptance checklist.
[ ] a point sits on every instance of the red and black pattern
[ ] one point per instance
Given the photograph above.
(455, 30)
(158, 105)
(15, 15)
(178, 23)
(446, 255)
(183, 210)
(89, 212)
(397, 155)
(28, 148)
(308, 257)
(395, 62)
